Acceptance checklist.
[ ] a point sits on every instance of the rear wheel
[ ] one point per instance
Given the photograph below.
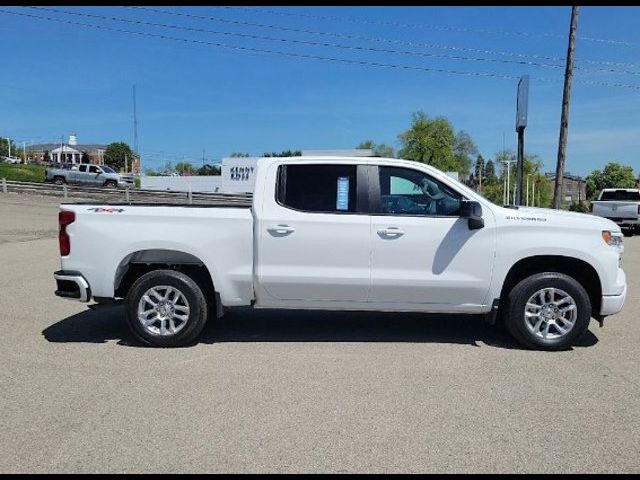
(166, 308)
(59, 180)
(548, 311)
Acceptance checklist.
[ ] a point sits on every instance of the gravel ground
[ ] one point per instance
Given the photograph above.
(299, 391)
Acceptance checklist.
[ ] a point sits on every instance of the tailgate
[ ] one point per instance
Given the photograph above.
(626, 210)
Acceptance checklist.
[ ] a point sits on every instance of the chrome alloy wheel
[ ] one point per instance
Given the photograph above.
(163, 310)
(550, 313)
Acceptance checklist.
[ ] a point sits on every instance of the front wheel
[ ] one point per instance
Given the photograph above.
(166, 308)
(111, 184)
(59, 181)
(548, 311)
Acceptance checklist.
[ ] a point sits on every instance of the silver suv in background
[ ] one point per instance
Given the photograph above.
(86, 174)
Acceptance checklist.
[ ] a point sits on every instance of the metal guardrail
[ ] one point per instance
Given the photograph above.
(128, 194)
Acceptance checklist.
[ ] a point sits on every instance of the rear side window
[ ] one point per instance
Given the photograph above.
(621, 195)
(318, 188)
(82, 168)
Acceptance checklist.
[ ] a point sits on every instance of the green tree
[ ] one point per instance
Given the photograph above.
(184, 168)
(464, 148)
(378, 149)
(614, 175)
(490, 173)
(4, 148)
(150, 172)
(239, 155)
(116, 154)
(430, 141)
(208, 170)
(532, 170)
(284, 153)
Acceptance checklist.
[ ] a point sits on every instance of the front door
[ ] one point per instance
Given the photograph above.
(422, 251)
(313, 237)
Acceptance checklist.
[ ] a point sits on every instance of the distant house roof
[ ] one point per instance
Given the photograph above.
(567, 176)
(87, 147)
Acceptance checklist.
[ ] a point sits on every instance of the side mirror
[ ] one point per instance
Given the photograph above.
(473, 211)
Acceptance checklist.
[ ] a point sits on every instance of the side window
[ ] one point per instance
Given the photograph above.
(404, 191)
(93, 169)
(82, 168)
(318, 188)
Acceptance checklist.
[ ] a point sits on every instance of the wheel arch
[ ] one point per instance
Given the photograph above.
(578, 269)
(137, 263)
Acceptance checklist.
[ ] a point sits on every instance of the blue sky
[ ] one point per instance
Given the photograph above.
(61, 78)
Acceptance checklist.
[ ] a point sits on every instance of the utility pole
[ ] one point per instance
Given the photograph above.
(564, 119)
(533, 193)
(135, 122)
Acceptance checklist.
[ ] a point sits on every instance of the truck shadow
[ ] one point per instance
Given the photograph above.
(247, 325)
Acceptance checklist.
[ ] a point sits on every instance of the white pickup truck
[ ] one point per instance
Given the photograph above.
(620, 205)
(345, 234)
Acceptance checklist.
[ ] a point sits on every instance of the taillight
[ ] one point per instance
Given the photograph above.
(65, 218)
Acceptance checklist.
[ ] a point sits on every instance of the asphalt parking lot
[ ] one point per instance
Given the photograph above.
(296, 391)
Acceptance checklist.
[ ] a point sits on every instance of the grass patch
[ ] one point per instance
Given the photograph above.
(22, 173)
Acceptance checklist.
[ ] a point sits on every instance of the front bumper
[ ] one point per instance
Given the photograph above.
(72, 285)
(612, 304)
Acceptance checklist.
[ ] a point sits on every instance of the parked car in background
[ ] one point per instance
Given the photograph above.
(13, 160)
(345, 233)
(86, 174)
(621, 205)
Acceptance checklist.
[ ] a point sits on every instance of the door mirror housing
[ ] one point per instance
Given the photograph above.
(473, 212)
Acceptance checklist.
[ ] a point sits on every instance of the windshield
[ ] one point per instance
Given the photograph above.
(108, 169)
(621, 195)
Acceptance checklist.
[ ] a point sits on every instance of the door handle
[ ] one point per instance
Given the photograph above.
(391, 232)
(281, 230)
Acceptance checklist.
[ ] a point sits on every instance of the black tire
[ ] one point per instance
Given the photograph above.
(627, 232)
(111, 184)
(59, 180)
(197, 303)
(514, 315)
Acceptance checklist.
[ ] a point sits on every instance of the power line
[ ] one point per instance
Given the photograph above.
(302, 55)
(320, 44)
(342, 35)
(269, 51)
(299, 42)
(429, 26)
(379, 39)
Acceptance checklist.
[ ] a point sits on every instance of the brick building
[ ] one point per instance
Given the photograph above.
(74, 152)
(574, 188)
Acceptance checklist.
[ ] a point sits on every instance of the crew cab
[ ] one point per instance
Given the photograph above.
(86, 174)
(341, 233)
(620, 205)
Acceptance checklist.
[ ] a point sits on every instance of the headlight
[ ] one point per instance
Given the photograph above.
(613, 239)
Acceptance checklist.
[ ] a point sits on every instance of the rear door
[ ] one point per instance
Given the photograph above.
(314, 236)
